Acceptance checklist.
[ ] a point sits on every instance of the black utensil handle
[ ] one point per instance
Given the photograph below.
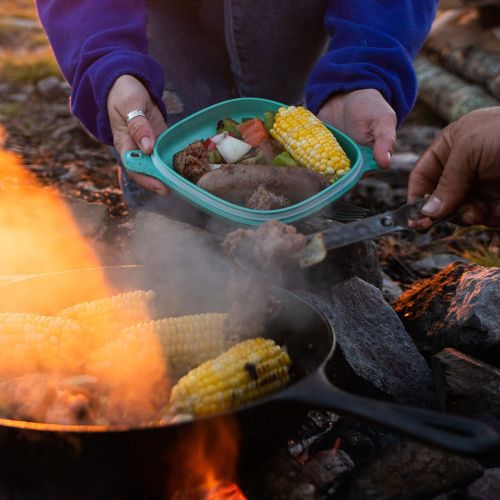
(450, 432)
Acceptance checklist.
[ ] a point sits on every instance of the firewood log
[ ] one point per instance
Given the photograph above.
(454, 4)
(447, 94)
(463, 48)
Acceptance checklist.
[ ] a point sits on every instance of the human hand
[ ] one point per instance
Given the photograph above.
(461, 169)
(126, 95)
(365, 116)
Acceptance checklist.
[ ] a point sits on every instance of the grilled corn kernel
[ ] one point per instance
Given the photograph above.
(30, 343)
(307, 139)
(188, 341)
(111, 314)
(245, 372)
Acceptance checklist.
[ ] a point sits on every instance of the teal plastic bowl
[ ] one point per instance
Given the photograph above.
(201, 125)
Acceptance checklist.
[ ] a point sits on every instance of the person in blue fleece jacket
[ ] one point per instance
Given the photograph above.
(350, 59)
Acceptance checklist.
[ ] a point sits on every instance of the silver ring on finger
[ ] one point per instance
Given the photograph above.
(134, 114)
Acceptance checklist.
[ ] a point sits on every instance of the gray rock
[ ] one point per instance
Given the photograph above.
(486, 487)
(409, 470)
(49, 88)
(459, 307)
(92, 218)
(435, 263)
(390, 289)
(374, 341)
(403, 162)
(467, 386)
(372, 187)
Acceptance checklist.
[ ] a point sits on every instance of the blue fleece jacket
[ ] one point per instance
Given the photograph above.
(373, 43)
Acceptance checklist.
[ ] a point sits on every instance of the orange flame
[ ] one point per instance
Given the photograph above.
(202, 465)
(38, 235)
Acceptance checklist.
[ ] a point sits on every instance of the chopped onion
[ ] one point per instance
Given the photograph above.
(231, 149)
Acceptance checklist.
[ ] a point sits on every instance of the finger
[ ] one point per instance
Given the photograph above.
(423, 223)
(384, 133)
(451, 189)
(425, 176)
(142, 133)
(149, 183)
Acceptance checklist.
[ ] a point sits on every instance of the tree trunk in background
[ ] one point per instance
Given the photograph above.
(447, 94)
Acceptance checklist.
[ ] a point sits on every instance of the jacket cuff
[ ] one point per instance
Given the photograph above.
(89, 98)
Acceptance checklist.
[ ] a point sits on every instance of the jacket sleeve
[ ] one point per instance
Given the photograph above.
(372, 46)
(95, 42)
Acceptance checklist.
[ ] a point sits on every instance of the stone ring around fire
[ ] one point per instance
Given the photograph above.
(134, 114)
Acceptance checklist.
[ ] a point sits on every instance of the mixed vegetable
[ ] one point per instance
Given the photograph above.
(293, 138)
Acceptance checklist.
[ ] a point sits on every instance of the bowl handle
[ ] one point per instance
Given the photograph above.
(369, 163)
(140, 163)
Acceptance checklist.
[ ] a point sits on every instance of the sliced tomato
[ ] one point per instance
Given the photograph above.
(209, 145)
(253, 131)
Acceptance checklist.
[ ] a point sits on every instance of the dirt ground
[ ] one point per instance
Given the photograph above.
(40, 129)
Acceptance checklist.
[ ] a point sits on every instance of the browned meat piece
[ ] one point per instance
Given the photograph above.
(262, 199)
(272, 247)
(42, 397)
(192, 162)
(236, 183)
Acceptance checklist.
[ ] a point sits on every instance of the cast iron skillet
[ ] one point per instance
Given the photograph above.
(310, 340)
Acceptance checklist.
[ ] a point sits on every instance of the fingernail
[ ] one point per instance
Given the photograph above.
(145, 143)
(389, 157)
(432, 206)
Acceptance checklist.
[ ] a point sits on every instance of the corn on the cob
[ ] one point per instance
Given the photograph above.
(247, 371)
(104, 318)
(31, 343)
(307, 139)
(187, 341)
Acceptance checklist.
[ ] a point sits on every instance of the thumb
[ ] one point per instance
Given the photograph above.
(451, 190)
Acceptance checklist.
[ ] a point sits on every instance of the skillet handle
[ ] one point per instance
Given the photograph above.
(450, 432)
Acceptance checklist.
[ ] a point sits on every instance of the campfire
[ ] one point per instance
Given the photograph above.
(67, 357)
